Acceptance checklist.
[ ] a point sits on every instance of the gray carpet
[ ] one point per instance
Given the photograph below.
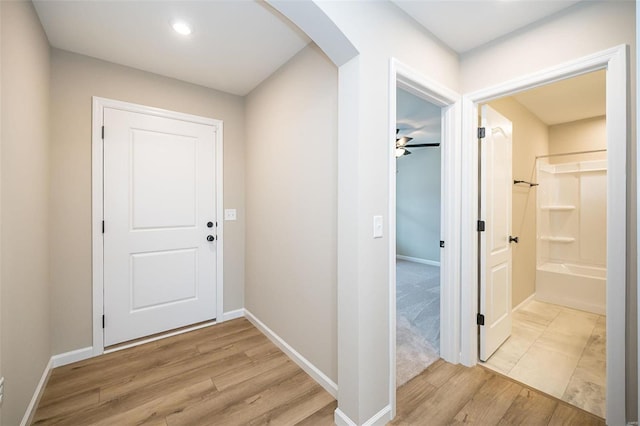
(417, 318)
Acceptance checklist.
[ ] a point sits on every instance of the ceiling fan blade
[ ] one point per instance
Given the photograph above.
(403, 140)
(421, 145)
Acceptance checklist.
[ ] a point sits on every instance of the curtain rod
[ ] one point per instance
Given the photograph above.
(571, 153)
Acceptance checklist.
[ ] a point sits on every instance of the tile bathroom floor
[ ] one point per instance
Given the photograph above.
(558, 350)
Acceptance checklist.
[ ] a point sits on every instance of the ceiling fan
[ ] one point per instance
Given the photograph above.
(402, 145)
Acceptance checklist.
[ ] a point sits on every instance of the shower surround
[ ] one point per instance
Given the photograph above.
(572, 234)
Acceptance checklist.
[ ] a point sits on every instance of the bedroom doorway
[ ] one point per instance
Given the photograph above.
(418, 234)
(447, 105)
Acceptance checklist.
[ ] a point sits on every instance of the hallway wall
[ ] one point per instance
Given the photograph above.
(24, 189)
(74, 80)
(380, 31)
(291, 175)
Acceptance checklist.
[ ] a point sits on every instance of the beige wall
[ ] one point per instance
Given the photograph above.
(26, 342)
(580, 30)
(530, 139)
(291, 178)
(74, 80)
(581, 135)
(380, 31)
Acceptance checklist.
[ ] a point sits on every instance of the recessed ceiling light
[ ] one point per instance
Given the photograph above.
(181, 27)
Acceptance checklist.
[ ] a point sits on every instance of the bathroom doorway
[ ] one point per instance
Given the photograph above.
(418, 234)
(545, 298)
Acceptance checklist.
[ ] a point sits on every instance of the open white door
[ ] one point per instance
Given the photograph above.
(160, 224)
(496, 184)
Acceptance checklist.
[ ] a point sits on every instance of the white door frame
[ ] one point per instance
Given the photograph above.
(408, 79)
(97, 197)
(615, 61)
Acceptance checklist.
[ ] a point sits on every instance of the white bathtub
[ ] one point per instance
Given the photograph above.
(576, 286)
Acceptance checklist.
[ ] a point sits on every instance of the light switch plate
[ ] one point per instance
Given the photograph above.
(377, 227)
(230, 214)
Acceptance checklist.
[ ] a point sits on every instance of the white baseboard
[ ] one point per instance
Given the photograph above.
(524, 302)
(231, 315)
(418, 260)
(341, 419)
(71, 357)
(302, 362)
(381, 418)
(31, 408)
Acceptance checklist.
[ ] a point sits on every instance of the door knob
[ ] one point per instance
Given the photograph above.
(209, 224)
(210, 238)
(513, 239)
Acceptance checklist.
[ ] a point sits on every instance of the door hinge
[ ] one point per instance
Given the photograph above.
(103, 226)
(102, 132)
(480, 226)
(481, 132)
(441, 244)
(103, 321)
(480, 319)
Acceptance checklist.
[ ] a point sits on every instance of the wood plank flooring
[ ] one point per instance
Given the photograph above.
(446, 394)
(227, 374)
(231, 374)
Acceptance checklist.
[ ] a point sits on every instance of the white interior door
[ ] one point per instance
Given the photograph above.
(495, 247)
(159, 195)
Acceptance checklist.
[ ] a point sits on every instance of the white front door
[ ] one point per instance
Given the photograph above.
(159, 198)
(495, 247)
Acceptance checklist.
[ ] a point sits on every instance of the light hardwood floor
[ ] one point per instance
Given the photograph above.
(231, 374)
(227, 374)
(447, 394)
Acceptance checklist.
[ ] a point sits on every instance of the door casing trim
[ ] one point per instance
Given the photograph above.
(97, 204)
(615, 61)
(403, 76)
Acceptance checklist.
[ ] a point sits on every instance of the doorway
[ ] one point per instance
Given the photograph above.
(418, 234)
(614, 62)
(157, 240)
(447, 103)
(551, 185)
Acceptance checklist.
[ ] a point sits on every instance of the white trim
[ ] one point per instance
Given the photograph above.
(97, 175)
(418, 260)
(341, 419)
(37, 394)
(614, 60)
(322, 379)
(160, 337)
(524, 302)
(231, 315)
(71, 357)
(219, 221)
(401, 75)
(381, 418)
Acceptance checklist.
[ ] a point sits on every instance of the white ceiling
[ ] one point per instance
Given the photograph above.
(234, 46)
(465, 25)
(567, 100)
